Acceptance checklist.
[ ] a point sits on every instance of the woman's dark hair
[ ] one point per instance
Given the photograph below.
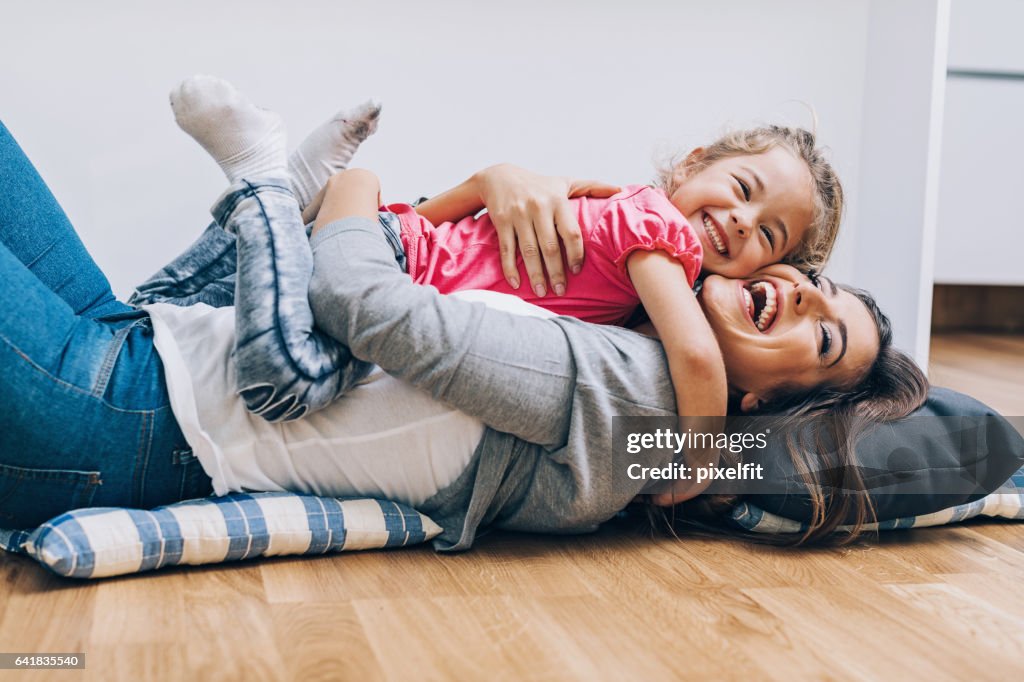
(892, 388)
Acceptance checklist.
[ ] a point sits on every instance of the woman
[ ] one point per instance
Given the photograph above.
(85, 418)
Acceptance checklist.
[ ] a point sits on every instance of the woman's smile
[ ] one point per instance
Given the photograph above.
(762, 301)
(781, 329)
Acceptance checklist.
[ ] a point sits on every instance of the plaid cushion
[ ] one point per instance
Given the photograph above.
(1006, 502)
(104, 541)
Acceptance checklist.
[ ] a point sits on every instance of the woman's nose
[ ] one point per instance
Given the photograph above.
(807, 298)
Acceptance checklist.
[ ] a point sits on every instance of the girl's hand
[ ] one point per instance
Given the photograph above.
(534, 211)
(680, 491)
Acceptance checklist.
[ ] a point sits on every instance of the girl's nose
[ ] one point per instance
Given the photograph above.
(743, 222)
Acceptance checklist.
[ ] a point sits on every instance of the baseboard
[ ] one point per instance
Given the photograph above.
(983, 308)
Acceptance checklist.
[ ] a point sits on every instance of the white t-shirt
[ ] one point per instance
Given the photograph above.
(383, 439)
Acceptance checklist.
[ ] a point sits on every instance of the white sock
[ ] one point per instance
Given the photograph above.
(329, 148)
(243, 139)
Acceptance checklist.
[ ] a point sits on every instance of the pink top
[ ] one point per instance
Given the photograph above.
(464, 255)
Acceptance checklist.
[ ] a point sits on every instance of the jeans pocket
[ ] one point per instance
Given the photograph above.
(194, 481)
(28, 496)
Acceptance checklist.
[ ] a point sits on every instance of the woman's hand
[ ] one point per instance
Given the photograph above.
(534, 212)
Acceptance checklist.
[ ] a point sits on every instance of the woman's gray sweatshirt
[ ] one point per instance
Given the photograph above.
(546, 388)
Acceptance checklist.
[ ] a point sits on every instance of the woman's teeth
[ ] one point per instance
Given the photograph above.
(749, 301)
(714, 235)
(761, 295)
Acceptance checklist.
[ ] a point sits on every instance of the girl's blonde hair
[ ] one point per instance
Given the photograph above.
(814, 250)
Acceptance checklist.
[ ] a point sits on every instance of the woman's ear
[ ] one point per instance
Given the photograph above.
(751, 403)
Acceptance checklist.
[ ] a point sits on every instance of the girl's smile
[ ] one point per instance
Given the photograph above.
(748, 210)
(714, 232)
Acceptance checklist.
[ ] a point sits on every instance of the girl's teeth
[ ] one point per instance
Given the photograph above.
(716, 238)
(749, 302)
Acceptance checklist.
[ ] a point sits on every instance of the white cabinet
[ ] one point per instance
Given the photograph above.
(980, 227)
(980, 237)
(985, 35)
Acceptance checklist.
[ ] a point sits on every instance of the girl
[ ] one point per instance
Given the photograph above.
(759, 197)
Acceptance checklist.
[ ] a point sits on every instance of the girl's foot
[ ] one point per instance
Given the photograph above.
(329, 148)
(243, 139)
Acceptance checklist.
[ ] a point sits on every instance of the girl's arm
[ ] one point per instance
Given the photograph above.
(527, 209)
(694, 358)
(454, 204)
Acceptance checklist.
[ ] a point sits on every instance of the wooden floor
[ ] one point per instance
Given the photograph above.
(937, 604)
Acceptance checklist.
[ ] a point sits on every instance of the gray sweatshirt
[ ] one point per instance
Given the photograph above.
(546, 388)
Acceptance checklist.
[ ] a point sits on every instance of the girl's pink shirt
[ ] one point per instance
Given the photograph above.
(464, 254)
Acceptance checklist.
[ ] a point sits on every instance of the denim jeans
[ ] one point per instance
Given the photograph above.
(84, 414)
(285, 366)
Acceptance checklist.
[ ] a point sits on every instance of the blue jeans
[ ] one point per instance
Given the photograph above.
(256, 256)
(84, 414)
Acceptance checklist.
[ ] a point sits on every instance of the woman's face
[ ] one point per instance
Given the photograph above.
(778, 330)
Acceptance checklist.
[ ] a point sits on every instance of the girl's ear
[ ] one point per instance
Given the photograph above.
(682, 169)
(751, 403)
(694, 156)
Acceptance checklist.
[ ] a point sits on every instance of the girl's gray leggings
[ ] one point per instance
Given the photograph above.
(256, 256)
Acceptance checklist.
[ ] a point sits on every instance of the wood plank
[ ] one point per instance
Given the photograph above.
(868, 634)
(323, 642)
(470, 637)
(228, 624)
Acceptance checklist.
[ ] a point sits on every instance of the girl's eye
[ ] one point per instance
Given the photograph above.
(769, 236)
(815, 280)
(826, 340)
(744, 187)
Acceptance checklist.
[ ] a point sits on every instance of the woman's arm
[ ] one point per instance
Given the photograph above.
(527, 209)
(694, 358)
(517, 374)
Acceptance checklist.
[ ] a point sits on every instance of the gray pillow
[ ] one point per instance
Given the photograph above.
(953, 450)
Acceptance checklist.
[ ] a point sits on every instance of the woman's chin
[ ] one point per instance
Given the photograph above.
(714, 297)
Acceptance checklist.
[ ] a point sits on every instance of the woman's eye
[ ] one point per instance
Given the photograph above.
(815, 280)
(769, 236)
(744, 187)
(826, 340)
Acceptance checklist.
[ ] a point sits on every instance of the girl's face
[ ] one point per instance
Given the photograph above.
(749, 210)
(779, 329)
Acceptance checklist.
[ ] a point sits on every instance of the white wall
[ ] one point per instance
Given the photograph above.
(584, 87)
(899, 164)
